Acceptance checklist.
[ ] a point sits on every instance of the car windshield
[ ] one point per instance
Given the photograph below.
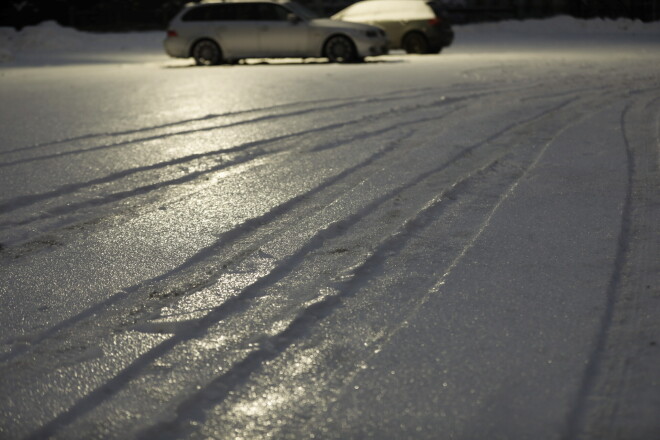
(301, 11)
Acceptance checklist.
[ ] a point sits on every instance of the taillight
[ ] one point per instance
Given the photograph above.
(171, 33)
(435, 21)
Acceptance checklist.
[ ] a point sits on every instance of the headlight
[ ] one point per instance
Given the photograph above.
(372, 34)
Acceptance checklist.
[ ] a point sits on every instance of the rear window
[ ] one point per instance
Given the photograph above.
(209, 13)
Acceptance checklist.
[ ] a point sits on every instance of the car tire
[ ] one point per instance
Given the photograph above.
(415, 42)
(340, 49)
(207, 53)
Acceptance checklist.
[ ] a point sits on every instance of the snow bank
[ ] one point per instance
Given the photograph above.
(568, 33)
(51, 42)
(565, 24)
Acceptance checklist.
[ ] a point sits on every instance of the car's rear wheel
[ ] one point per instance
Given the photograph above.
(414, 42)
(340, 49)
(207, 53)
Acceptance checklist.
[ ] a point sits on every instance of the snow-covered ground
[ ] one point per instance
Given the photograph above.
(462, 246)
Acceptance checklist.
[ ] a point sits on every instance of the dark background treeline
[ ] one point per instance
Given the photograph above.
(132, 15)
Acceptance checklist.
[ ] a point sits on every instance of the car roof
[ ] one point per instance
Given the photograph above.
(204, 2)
(376, 1)
(194, 4)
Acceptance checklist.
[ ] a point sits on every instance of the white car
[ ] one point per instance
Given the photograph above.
(213, 32)
(417, 26)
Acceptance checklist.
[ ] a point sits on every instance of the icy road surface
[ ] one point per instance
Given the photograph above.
(460, 246)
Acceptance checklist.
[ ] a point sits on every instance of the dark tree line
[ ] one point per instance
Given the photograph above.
(647, 10)
(490, 10)
(126, 15)
(100, 15)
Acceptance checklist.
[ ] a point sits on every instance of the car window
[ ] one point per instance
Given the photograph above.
(246, 11)
(221, 12)
(196, 14)
(239, 11)
(301, 11)
(272, 12)
(210, 13)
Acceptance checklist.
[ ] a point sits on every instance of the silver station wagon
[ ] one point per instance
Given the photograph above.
(213, 32)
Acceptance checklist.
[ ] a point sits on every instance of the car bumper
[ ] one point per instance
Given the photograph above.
(371, 48)
(439, 38)
(176, 47)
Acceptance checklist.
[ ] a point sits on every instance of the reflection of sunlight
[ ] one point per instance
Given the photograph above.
(263, 405)
(210, 342)
(278, 400)
(198, 304)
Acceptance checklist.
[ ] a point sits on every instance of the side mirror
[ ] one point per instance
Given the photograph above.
(293, 18)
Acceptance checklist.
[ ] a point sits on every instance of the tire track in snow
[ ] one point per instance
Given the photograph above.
(397, 94)
(168, 135)
(313, 103)
(20, 202)
(194, 407)
(577, 414)
(89, 136)
(122, 295)
(94, 200)
(70, 208)
(23, 201)
(196, 329)
(232, 236)
(625, 341)
(315, 107)
(238, 232)
(248, 226)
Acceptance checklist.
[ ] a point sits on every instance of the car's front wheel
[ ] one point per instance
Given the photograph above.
(207, 53)
(414, 42)
(340, 49)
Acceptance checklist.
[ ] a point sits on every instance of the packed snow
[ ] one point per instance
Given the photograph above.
(463, 245)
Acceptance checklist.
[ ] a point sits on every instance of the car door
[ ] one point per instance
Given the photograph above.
(235, 29)
(279, 36)
(371, 13)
